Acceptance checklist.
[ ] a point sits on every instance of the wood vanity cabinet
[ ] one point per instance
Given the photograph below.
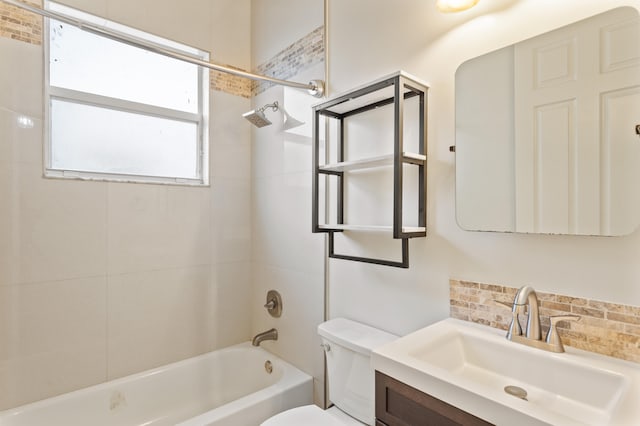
(398, 404)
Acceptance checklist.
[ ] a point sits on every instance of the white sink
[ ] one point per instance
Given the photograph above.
(469, 365)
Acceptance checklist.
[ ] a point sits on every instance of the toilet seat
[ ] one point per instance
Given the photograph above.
(312, 415)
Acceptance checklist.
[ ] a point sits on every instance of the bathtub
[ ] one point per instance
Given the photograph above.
(229, 387)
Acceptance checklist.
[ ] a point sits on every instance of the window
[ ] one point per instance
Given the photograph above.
(117, 112)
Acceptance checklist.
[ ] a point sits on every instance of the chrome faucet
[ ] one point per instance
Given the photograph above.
(526, 300)
(265, 335)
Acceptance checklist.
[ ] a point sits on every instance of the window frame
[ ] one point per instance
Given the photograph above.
(200, 118)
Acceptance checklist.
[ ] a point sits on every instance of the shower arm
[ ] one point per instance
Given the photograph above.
(274, 107)
(314, 87)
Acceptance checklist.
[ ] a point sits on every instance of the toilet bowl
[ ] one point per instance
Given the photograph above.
(312, 415)
(351, 384)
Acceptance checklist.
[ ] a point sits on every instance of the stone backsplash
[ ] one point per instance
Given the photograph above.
(606, 328)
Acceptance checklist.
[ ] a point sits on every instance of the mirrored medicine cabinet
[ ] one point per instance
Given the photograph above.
(547, 132)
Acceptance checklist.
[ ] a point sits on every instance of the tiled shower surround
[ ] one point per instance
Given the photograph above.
(607, 328)
(306, 52)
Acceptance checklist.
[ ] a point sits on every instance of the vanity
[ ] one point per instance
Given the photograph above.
(460, 373)
(399, 404)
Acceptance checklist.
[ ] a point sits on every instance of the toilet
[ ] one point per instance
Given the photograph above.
(348, 345)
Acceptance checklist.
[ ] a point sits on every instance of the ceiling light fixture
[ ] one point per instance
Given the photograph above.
(452, 6)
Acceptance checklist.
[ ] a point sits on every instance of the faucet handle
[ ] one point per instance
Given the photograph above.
(500, 302)
(555, 319)
(515, 329)
(553, 338)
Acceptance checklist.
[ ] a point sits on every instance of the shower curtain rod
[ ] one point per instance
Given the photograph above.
(314, 87)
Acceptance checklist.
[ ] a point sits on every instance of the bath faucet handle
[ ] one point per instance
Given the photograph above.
(553, 338)
(274, 303)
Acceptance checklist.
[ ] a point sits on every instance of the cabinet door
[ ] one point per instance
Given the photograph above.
(398, 404)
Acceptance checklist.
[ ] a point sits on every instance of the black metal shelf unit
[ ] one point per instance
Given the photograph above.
(391, 90)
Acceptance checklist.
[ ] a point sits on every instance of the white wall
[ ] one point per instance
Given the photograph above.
(371, 38)
(99, 280)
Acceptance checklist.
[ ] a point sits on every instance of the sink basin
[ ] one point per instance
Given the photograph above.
(469, 365)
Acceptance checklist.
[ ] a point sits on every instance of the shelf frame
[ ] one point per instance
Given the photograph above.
(404, 263)
(404, 87)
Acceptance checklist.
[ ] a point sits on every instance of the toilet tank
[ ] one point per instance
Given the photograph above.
(351, 380)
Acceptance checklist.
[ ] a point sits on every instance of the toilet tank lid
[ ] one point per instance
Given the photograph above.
(354, 335)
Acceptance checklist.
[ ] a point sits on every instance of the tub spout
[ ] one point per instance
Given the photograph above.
(265, 335)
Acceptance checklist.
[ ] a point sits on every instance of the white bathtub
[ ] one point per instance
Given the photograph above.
(227, 387)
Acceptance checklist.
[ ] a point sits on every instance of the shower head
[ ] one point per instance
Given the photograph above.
(257, 117)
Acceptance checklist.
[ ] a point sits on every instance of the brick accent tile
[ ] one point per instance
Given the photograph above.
(21, 25)
(629, 319)
(299, 56)
(231, 84)
(579, 310)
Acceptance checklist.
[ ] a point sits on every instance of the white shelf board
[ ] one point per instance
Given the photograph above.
(372, 228)
(369, 163)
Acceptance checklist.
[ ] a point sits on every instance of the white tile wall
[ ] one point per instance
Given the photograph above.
(20, 144)
(60, 227)
(156, 317)
(231, 208)
(156, 226)
(231, 304)
(282, 229)
(53, 338)
(21, 77)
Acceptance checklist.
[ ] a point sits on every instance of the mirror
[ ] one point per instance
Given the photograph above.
(547, 137)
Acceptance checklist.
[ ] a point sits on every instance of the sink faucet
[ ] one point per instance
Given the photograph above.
(526, 300)
(527, 297)
(265, 335)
